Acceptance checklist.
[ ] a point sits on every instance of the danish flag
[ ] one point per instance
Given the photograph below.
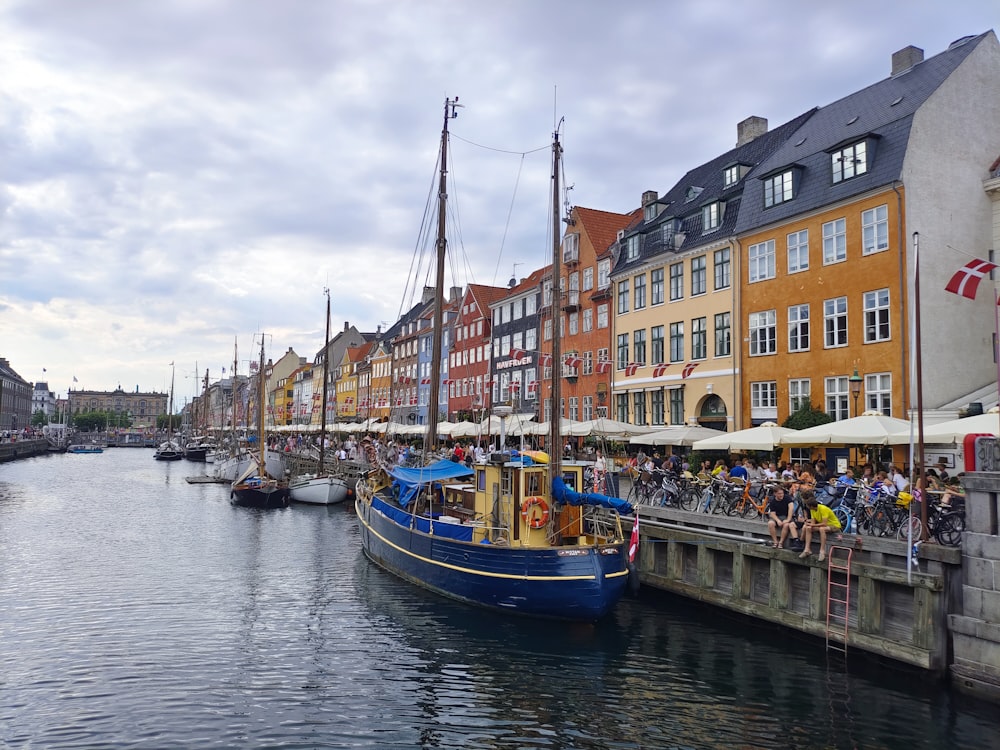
(515, 385)
(659, 369)
(572, 361)
(413, 400)
(517, 353)
(631, 368)
(425, 381)
(545, 360)
(604, 365)
(447, 381)
(532, 386)
(633, 544)
(966, 281)
(404, 380)
(689, 368)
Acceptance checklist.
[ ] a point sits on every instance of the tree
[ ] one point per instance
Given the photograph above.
(806, 416)
(38, 419)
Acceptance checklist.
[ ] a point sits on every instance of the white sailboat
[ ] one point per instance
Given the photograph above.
(323, 487)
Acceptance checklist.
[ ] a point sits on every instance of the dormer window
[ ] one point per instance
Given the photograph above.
(649, 212)
(692, 193)
(632, 247)
(850, 161)
(733, 174)
(779, 187)
(711, 216)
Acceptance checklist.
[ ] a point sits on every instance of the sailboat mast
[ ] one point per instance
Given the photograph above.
(326, 379)
(260, 409)
(555, 427)
(170, 411)
(442, 245)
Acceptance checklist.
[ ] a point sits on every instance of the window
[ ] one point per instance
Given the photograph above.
(588, 320)
(656, 344)
(531, 339)
(676, 342)
(639, 406)
(761, 258)
(798, 251)
(574, 323)
(764, 395)
(531, 389)
(711, 216)
(588, 279)
(875, 230)
(656, 286)
(834, 241)
(604, 274)
(517, 340)
(547, 329)
(677, 406)
(518, 311)
(588, 408)
(649, 212)
(798, 394)
(622, 350)
(602, 316)
(574, 408)
(778, 189)
(622, 297)
(763, 333)
(835, 322)
(656, 406)
(837, 391)
(699, 338)
(878, 393)
(621, 406)
(698, 283)
(639, 346)
(849, 162)
(632, 247)
(676, 281)
(876, 316)
(588, 363)
(546, 293)
(798, 328)
(639, 289)
(722, 335)
(730, 176)
(723, 269)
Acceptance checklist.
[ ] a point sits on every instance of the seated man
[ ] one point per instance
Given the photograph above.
(779, 515)
(821, 519)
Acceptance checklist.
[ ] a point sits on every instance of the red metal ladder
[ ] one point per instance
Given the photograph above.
(838, 595)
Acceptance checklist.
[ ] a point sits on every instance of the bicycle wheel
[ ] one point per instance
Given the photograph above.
(733, 505)
(689, 498)
(658, 498)
(909, 524)
(720, 503)
(844, 516)
(750, 509)
(948, 529)
(881, 522)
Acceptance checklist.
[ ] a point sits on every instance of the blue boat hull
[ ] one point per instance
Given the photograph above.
(566, 583)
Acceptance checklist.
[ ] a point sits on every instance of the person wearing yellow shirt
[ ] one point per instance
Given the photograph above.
(821, 519)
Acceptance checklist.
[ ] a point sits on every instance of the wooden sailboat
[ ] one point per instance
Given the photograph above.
(169, 450)
(512, 533)
(255, 487)
(323, 487)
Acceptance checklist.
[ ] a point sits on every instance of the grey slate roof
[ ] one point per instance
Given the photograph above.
(709, 178)
(884, 109)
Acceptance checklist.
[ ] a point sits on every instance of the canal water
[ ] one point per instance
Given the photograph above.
(138, 610)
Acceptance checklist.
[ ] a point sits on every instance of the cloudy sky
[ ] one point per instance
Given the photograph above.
(177, 175)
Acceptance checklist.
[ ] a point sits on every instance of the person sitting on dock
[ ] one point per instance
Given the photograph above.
(780, 515)
(821, 519)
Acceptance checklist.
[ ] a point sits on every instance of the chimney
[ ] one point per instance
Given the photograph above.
(347, 326)
(750, 128)
(456, 294)
(427, 296)
(648, 197)
(906, 58)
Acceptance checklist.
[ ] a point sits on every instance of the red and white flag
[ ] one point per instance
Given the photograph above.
(517, 353)
(689, 368)
(604, 365)
(631, 368)
(545, 360)
(659, 369)
(633, 544)
(966, 281)
(571, 361)
(532, 386)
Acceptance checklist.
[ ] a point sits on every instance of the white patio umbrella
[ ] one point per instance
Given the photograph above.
(464, 429)
(954, 430)
(604, 427)
(762, 438)
(871, 428)
(685, 435)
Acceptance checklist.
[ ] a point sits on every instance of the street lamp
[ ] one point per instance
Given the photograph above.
(855, 380)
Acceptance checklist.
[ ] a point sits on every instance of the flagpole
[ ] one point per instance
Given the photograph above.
(920, 384)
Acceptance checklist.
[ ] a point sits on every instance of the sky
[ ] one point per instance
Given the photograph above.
(178, 177)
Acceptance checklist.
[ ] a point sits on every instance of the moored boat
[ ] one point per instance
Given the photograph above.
(518, 538)
(85, 448)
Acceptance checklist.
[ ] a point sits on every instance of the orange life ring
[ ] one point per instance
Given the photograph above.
(535, 522)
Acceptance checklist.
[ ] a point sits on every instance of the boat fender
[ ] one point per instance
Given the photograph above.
(533, 521)
(633, 579)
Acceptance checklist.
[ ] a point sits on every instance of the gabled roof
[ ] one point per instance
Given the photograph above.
(601, 226)
(702, 186)
(485, 295)
(883, 111)
(533, 281)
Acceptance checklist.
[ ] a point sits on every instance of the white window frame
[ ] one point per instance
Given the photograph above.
(763, 333)
(837, 390)
(878, 392)
(799, 393)
(778, 189)
(603, 314)
(877, 318)
(798, 251)
(875, 230)
(835, 323)
(835, 241)
(760, 261)
(798, 328)
(850, 161)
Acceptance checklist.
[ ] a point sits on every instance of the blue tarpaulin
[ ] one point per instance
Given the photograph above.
(409, 479)
(564, 494)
